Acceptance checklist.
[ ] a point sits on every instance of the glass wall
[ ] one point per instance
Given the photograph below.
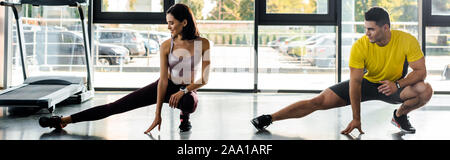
(296, 6)
(132, 5)
(139, 64)
(438, 57)
(290, 57)
(228, 24)
(296, 57)
(230, 35)
(53, 43)
(440, 7)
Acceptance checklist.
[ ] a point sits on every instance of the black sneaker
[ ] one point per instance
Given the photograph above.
(262, 122)
(402, 123)
(185, 126)
(52, 122)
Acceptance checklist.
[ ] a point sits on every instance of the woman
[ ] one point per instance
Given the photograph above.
(182, 58)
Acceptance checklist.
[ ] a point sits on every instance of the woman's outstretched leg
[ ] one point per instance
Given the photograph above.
(139, 98)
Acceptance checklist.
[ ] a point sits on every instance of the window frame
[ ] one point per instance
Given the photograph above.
(124, 17)
(433, 20)
(333, 17)
(297, 19)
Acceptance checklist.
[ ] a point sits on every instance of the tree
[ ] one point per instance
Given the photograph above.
(247, 9)
(232, 10)
(131, 5)
(292, 6)
(196, 7)
(105, 4)
(399, 11)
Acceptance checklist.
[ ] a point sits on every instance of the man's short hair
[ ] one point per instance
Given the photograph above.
(379, 15)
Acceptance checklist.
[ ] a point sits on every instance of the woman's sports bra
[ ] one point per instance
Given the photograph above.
(182, 60)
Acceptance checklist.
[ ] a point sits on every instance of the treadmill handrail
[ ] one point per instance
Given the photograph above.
(9, 4)
(52, 2)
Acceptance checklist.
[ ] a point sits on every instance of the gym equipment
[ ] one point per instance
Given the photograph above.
(47, 91)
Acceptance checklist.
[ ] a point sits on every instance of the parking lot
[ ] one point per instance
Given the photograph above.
(232, 58)
(236, 65)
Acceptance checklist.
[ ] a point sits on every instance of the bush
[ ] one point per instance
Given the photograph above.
(223, 39)
(260, 40)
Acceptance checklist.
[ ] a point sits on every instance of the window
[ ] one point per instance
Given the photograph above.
(438, 57)
(132, 5)
(51, 47)
(296, 57)
(125, 59)
(440, 7)
(228, 24)
(130, 11)
(296, 12)
(296, 6)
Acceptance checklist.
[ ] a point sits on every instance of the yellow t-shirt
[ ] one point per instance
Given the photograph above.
(385, 63)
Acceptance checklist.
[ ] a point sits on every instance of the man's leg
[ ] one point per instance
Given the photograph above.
(415, 96)
(325, 100)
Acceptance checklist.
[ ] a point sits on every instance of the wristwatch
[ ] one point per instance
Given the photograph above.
(184, 89)
(396, 84)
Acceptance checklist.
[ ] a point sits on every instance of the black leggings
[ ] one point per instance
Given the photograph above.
(140, 98)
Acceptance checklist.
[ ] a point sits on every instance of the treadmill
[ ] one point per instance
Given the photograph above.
(47, 91)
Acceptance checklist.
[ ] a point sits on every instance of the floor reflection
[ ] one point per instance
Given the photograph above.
(64, 135)
(398, 135)
(150, 135)
(267, 135)
(352, 137)
(226, 116)
(185, 135)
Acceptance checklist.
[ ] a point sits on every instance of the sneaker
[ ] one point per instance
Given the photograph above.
(402, 123)
(185, 126)
(52, 122)
(262, 122)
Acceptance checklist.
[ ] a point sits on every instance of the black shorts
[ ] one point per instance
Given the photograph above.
(369, 91)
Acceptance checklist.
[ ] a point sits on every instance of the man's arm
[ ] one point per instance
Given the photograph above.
(356, 76)
(418, 74)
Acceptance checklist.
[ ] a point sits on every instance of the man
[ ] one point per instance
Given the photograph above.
(382, 53)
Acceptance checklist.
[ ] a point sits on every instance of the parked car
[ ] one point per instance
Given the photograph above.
(446, 72)
(154, 35)
(322, 53)
(130, 39)
(151, 46)
(296, 46)
(26, 27)
(276, 43)
(66, 48)
(77, 27)
(153, 40)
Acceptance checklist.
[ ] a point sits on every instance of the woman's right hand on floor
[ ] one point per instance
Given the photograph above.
(156, 122)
